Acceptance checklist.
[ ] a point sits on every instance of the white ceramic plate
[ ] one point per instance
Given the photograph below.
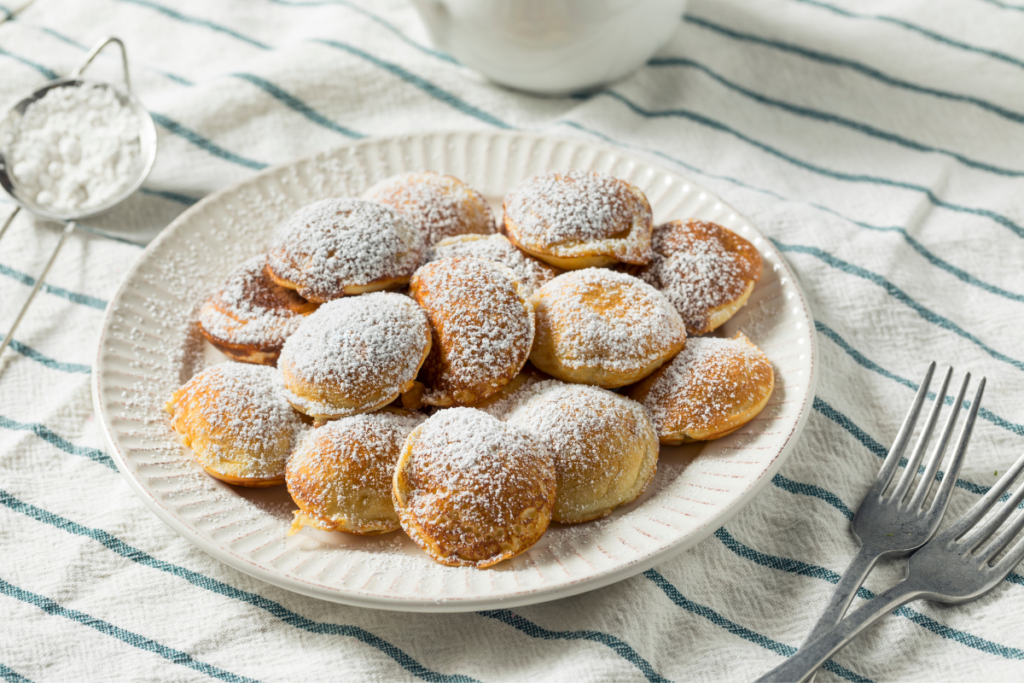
(149, 347)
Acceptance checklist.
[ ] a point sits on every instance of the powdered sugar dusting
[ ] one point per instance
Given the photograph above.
(700, 266)
(483, 328)
(601, 318)
(345, 468)
(251, 309)
(567, 213)
(604, 444)
(473, 482)
(439, 205)
(236, 413)
(530, 272)
(337, 243)
(710, 379)
(362, 348)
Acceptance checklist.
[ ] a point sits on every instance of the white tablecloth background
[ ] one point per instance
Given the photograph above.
(881, 144)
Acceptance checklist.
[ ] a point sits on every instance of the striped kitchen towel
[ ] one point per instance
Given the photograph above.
(879, 144)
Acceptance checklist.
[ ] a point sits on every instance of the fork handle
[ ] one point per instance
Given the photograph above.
(809, 658)
(842, 596)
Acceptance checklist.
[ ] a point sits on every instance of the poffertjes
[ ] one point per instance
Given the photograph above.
(711, 389)
(598, 326)
(482, 325)
(341, 474)
(250, 316)
(340, 247)
(605, 448)
(579, 219)
(354, 355)
(238, 423)
(439, 206)
(471, 490)
(705, 270)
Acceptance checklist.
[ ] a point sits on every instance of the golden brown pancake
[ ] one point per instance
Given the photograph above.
(705, 270)
(482, 328)
(339, 247)
(471, 490)
(531, 272)
(604, 445)
(578, 219)
(711, 389)
(236, 420)
(438, 205)
(354, 355)
(341, 474)
(250, 316)
(602, 327)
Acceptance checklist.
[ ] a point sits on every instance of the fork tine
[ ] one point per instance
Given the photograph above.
(1016, 554)
(892, 461)
(1008, 534)
(978, 510)
(910, 471)
(985, 531)
(955, 462)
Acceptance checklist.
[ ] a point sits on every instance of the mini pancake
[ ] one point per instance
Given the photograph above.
(576, 219)
(602, 327)
(531, 272)
(705, 270)
(438, 205)
(355, 355)
(711, 389)
(236, 420)
(250, 316)
(339, 247)
(482, 328)
(341, 474)
(604, 445)
(471, 490)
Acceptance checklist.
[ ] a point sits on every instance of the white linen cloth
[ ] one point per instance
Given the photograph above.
(880, 144)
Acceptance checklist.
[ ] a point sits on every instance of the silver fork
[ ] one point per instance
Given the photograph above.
(892, 526)
(956, 566)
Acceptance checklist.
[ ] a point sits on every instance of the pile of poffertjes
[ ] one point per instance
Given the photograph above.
(406, 361)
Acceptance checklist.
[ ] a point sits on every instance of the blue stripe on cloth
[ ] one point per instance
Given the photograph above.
(917, 246)
(29, 352)
(732, 627)
(293, 619)
(29, 281)
(47, 73)
(421, 83)
(863, 69)
(7, 14)
(1005, 5)
(9, 674)
(899, 295)
(802, 568)
(618, 646)
(869, 364)
(296, 104)
(814, 168)
(129, 637)
(828, 117)
(6, 672)
(195, 21)
(813, 491)
(902, 23)
(198, 140)
(60, 442)
(878, 449)
(372, 17)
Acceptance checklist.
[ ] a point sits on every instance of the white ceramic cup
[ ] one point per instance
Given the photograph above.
(552, 47)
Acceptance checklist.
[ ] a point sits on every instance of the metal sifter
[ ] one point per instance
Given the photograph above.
(147, 156)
